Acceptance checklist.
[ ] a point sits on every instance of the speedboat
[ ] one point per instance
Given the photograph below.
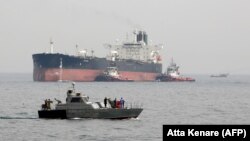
(78, 106)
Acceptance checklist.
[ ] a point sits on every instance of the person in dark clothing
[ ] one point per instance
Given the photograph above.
(44, 106)
(105, 102)
(115, 103)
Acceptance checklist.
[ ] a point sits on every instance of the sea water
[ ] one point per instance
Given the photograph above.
(205, 101)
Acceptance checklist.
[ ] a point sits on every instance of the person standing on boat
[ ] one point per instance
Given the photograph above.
(45, 105)
(122, 102)
(115, 103)
(48, 104)
(105, 102)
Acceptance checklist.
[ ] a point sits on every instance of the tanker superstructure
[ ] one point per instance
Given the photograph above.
(136, 59)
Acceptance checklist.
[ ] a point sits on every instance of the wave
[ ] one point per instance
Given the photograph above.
(9, 117)
(240, 82)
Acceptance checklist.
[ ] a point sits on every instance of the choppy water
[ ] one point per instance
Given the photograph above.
(206, 101)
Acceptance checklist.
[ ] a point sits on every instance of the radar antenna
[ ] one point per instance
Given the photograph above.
(73, 86)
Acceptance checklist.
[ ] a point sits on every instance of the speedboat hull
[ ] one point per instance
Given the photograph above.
(104, 113)
(53, 114)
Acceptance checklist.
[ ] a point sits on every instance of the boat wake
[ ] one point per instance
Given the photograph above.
(76, 118)
(10, 117)
(135, 118)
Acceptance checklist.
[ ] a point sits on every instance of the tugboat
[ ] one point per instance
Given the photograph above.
(173, 74)
(78, 106)
(111, 74)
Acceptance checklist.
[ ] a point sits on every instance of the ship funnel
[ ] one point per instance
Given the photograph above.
(145, 37)
(141, 36)
(135, 36)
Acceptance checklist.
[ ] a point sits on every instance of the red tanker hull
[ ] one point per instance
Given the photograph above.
(85, 75)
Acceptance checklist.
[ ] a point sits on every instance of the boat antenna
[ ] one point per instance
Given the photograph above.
(172, 61)
(77, 51)
(73, 86)
(92, 53)
(61, 65)
(51, 46)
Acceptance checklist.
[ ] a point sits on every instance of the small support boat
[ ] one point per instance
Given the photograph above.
(173, 75)
(111, 74)
(219, 75)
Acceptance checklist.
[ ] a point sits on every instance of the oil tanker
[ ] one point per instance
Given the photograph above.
(135, 58)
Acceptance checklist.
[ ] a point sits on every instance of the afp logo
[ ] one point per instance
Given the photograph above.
(234, 133)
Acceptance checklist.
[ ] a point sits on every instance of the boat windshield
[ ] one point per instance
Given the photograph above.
(76, 100)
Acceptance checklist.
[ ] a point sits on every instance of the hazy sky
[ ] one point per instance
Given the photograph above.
(203, 36)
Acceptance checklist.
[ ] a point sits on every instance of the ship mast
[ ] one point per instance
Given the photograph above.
(77, 51)
(60, 69)
(51, 46)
